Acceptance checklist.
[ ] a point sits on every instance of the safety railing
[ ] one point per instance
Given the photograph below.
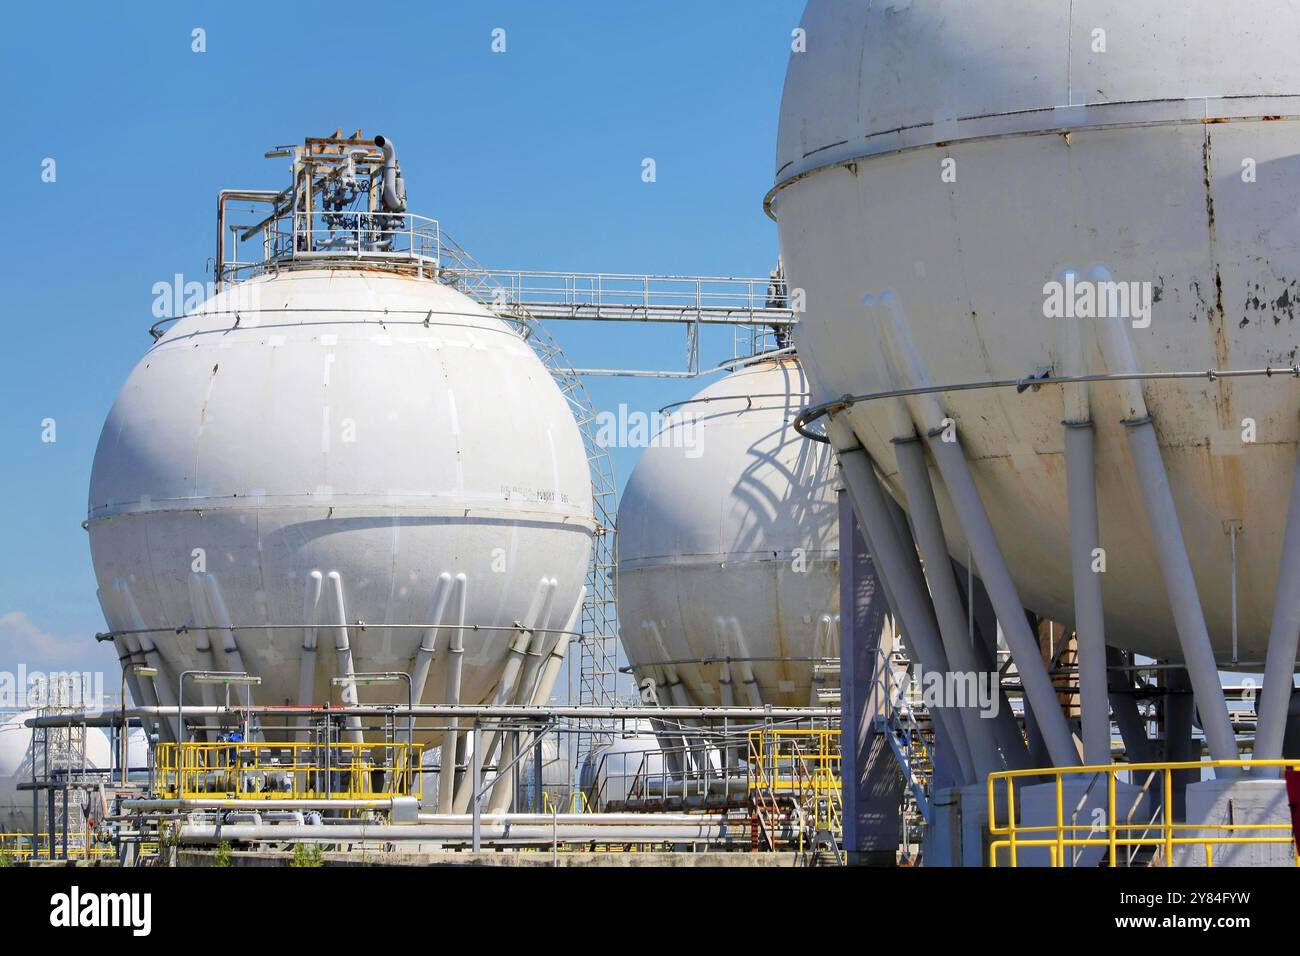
(17, 847)
(590, 295)
(900, 712)
(289, 770)
(326, 235)
(1129, 832)
(800, 766)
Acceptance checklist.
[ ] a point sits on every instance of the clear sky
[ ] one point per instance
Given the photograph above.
(530, 158)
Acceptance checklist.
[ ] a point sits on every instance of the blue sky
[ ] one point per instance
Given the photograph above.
(531, 159)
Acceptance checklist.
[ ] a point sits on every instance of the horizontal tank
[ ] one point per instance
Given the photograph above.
(728, 556)
(961, 156)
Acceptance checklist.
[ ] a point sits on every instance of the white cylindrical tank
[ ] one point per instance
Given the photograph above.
(17, 757)
(923, 150)
(624, 765)
(729, 548)
(328, 446)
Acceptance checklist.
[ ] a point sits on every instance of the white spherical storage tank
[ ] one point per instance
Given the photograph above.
(728, 547)
(353, 460)
(17, 757)
(954, 160)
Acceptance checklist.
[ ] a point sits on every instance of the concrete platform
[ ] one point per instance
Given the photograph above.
(1212, 802)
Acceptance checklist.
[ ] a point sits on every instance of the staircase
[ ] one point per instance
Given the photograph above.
(908, 727)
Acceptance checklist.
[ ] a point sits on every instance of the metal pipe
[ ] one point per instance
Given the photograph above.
(107, 717)
(506, 832)
(1283, 638)
(394, 194)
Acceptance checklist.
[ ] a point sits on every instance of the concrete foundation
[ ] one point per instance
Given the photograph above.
(1084, 804)
(1237, 802)
(958, 830)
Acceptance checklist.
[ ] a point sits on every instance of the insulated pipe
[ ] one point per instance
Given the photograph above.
(394, 187)
(545, 833)
(985, 551)
(948, 606)
(343, 648)
(455, 662)
(1085, 540)
(907, 600)
(1283, 637)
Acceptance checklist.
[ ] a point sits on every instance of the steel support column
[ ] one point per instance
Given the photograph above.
(912, 603)
(1089, 620)
(949, 610)
(1283, 637)
(872, 784)
(1180, 584)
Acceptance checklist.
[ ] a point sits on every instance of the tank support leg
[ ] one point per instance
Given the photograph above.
(987, 555)
(1089, 620)
(1184, 600)
(1123, 701)
(455, 660)
(872, 785)
(905, 583)
(1283, 636)
(948, 605)
(907, 369)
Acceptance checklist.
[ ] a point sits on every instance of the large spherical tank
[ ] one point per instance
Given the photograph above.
(327, 446)
(960, 156)
(16, 761)
(729, 548)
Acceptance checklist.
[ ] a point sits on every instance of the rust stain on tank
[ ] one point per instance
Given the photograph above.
(1218, 318)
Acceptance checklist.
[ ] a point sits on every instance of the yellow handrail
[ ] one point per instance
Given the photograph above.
(289, 770)
(1163, 833)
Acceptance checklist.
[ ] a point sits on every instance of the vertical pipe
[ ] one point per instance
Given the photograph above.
(1283, 637)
